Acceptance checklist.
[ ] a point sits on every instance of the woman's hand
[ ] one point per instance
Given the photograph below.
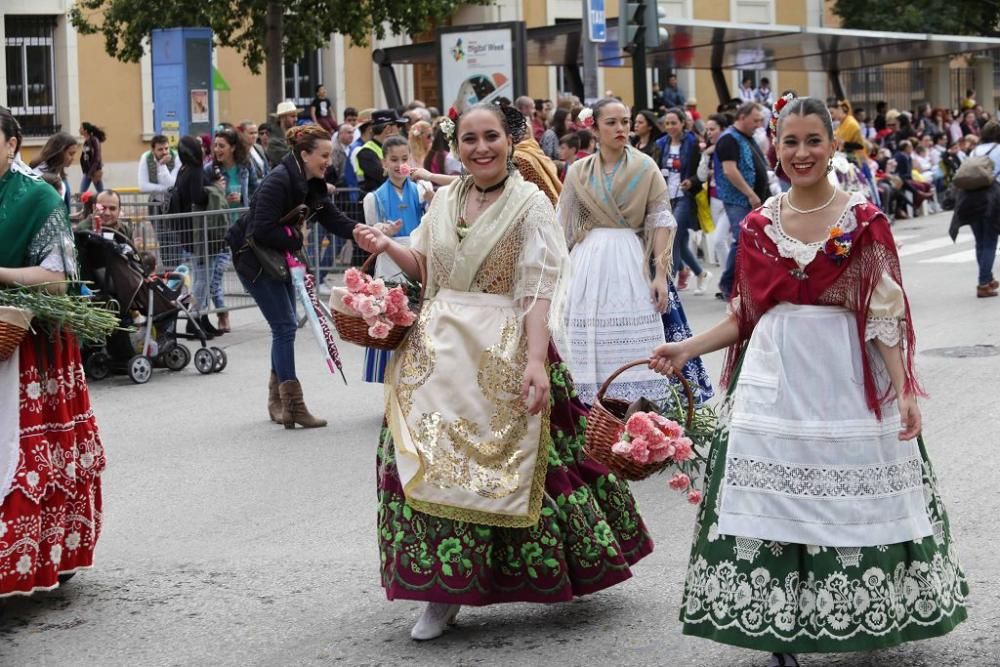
(909, 418)
(670, 358)
(660, 293)
(390, 228)
(420, 174)
(535, 376)
(370, 239)
(234, 197)
(686, 184)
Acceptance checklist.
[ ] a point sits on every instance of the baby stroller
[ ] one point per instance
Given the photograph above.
(148, 303)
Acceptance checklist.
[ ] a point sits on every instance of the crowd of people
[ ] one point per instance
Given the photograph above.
(554, 243)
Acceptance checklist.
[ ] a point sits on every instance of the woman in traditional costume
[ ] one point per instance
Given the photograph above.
(616, 214)
(821, 529)
(51, 457)
(483, 494)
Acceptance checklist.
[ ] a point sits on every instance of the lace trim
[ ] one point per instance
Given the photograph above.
(823, 481)
(658, 214)
(889, 330)
(792, 248)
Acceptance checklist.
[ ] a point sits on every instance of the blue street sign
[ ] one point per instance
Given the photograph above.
(596, 22)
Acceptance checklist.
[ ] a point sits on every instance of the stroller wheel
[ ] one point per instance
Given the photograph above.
(140, 369)
(204, 361)
(177, 357)
(97, 366)
(221, 360)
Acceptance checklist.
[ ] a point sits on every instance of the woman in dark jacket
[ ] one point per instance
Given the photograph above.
(679, 154)
(296, 180)
(91, 162)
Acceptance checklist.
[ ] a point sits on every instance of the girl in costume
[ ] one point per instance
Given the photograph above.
(821, 529)
(616, 215)
(397, 206)
(51, 456)
(483, 494)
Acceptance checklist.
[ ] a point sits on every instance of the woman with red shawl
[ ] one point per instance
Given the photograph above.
(821, 527)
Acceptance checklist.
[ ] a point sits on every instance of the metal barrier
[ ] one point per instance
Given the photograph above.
(197, 240)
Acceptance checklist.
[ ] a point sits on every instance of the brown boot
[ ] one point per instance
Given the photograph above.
(985, 291)
(293, 408)
(273, 399)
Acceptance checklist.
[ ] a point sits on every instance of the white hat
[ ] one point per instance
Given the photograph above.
(286, 107)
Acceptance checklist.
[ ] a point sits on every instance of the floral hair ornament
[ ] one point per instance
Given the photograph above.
(447, 127)
(778, 106)
(586, 117)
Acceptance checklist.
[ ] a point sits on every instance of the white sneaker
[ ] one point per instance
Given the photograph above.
(702, 279)
(433, 621)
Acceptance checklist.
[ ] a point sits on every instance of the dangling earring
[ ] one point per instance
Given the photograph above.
(511, 167)
(829, 166)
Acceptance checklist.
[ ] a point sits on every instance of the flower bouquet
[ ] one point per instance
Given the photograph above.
(651, 438)
(372, 312)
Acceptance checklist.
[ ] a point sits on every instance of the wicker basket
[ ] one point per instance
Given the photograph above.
(607, 421)
(14, 325)
(354, 329)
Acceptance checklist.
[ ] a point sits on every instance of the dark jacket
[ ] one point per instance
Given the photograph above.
(690, 157)
(282, 190)
(976, 208)
(188, 195)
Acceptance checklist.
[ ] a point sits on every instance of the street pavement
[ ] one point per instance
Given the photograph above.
(231, 541)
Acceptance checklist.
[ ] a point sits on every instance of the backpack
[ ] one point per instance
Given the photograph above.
(975, 173)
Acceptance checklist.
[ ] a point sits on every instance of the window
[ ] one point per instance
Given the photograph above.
(302, 77)
(31, 91)
(753, 11)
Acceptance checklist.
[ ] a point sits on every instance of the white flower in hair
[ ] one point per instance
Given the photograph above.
(585, 117)
(448, 128)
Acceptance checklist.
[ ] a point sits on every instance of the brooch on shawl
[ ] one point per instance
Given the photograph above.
(838, 244)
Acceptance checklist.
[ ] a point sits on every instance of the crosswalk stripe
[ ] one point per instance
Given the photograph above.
(905, 237)
(961, 257)
(932, 244)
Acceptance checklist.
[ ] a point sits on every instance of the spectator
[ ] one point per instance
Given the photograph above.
(415, 114)
(647, 132)
(741, 180)
(926, 125)
(919, 192)
(880, 111)
(351, 116)
(341, 149)
(848, 132)
(90, 158)
(420, 138)
(979, 209)
(56, 156)
(320, 110)
(385, 123)
(107, 215)
(718, 241)
(764, 95)
(672, 95)
(277, 147)
(586, 138)
(558, 129)
(569, 149)
(969, 101)
(439, 159)
(158, 169)
(256, 152)
(264, 138)
(969, 124)
(230, 171)
(526, 106)
(691, 106)
(747, 91)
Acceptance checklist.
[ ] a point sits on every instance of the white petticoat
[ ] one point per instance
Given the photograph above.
(808, 462)
(611, 318)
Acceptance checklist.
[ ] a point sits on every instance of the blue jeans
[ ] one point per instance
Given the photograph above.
(986, 250)
(199, 279)
(276, 300)
(85, 185)
(735, 213)
(686, 221)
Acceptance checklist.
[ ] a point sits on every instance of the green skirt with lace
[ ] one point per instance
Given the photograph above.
(588, 535)
(795, 598)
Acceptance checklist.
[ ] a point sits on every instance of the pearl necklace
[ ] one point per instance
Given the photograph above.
(807, 211)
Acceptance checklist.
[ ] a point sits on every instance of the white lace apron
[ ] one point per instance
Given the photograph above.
(808, 462)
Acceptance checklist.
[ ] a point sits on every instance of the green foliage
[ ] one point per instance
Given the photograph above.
(946, 17)
(242, 24)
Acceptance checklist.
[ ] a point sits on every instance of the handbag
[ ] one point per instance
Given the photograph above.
(975, 173)
(272, 261)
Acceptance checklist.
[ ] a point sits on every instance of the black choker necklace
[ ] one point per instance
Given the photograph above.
(493, 188)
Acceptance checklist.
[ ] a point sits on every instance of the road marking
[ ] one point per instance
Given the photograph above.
(904, 237)
(961, 257)
(932, 244)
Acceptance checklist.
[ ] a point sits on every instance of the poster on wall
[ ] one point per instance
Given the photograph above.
(480, 64)
(199, 105)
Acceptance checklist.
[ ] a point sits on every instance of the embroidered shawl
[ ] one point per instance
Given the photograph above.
(536, 167)
(843, 273)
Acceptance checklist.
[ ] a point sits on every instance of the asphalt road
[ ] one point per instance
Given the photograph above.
(231, 541)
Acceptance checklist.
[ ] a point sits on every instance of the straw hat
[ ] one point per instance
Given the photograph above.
(285, 108)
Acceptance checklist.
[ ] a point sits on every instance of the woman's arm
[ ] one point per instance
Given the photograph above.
(536, 329)
(671, 357)
(30, 276)
(909, 411)
(373, 240)
(422, 174)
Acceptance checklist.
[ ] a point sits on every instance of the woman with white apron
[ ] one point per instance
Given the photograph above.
(821, 527)
(397, 207)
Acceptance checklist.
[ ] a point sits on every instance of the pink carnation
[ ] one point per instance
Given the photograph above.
(694, 496)
(639, 450)
(668, 427)
(349, 300)
(355, 280)
(397, 297)
(679, 482)
(367, 306)
(380, 329)
(404, 169)
(403, 319)
(684, 449)
(377, 288)
(621, 447)
(640, 425)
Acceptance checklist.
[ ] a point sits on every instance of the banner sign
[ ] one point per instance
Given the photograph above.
(480, 64)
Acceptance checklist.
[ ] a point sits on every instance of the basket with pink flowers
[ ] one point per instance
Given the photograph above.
(639, 439)
(373, 312)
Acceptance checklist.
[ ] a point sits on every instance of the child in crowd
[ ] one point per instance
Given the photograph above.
(569, 149)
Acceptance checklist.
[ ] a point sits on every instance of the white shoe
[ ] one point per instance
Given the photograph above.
(433, 621)
(702, 279)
